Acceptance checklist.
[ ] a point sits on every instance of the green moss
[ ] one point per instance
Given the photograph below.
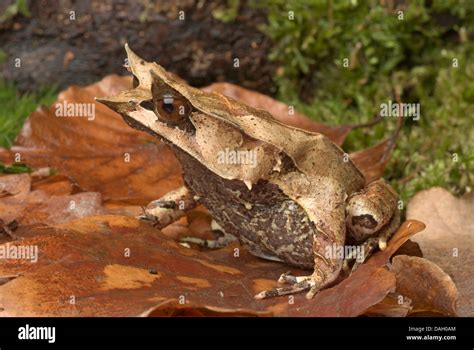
(339, 60)
(17, 7)
(14, 168)
(227, 13)
(3, 56)
(15, 107)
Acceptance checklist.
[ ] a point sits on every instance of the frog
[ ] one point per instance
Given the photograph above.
(288, 194)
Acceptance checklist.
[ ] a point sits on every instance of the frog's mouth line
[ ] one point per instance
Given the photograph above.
(139, 126)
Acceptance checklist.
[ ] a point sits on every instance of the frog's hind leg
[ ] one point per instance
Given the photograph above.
(326, 270)
(328, 237)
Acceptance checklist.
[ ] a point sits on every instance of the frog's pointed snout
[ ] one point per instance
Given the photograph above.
(113, 105)
(118, 105)
(102, 100)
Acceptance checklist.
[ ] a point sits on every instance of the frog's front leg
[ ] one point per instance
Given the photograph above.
(169, 208)
(174, 205)
(378, 240)
(372, 216)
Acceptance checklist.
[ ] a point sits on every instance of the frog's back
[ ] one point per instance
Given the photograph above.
(264, 216)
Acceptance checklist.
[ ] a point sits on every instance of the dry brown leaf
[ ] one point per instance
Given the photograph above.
(409, 248)
(406, 230)
(44, 205)
(15, 185)
(53, 185)
(421, 286)
(391, 306)
(87, 259)
(50, 200)
(373, 160)
(366, 287)
(428, 287)
(448, 239)
(173, 308)
(30, 200)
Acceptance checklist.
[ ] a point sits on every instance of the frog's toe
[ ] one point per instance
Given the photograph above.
(315, 288)
(367, 248)
(383, 243)
(292, 289)
(219, 242)
(287, 277)
(148, 218)
(297, 284)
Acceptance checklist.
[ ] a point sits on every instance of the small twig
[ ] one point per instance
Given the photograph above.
(8, 229)
(7, 278)
(377, 119)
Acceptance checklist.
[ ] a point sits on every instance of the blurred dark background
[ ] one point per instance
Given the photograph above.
(201, 48)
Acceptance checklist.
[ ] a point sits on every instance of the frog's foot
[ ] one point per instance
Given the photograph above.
(168, 208)
(292, 289)
(297, 284)
(380, 241)
(367, 249)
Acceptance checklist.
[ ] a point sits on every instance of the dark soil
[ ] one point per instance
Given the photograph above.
(201, 49)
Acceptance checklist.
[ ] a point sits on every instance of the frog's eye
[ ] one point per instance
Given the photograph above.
(172, 109)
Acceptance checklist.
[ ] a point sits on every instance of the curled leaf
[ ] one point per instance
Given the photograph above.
(391, 306)
(50, 203)
(428, 287)
(448, 239)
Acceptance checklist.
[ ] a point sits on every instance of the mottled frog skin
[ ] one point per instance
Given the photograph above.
(272, 224)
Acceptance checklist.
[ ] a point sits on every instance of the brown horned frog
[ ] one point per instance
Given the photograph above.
(289, 194)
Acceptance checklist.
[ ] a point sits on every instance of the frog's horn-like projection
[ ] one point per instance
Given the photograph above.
(126, 100)
(146, 75)
(140, 68)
